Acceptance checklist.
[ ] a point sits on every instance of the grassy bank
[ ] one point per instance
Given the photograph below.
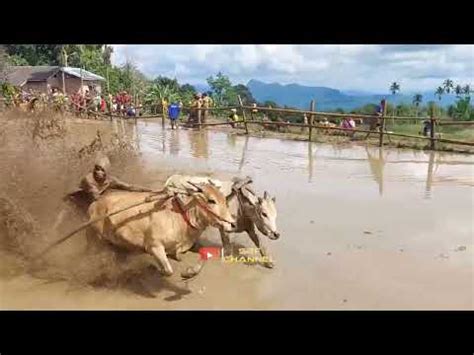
(461, 133)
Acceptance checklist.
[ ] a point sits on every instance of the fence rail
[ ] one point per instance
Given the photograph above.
(314, 116)
(381, 131)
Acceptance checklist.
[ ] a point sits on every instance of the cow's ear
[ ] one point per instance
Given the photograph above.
(265, 195)
(260, 200)
(274, 199)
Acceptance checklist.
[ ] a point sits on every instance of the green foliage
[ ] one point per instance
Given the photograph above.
(8, 91)
(41, 54)
(223, 93)
(368, 109)
(245, 94)
(439, 92)
(448, 85)
(463, 109)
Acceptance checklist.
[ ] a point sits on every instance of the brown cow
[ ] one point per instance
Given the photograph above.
(160, 229)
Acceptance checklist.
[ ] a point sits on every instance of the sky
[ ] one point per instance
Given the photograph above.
(368, 68)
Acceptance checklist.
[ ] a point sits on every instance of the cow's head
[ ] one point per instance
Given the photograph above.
(214, 205)
(265, 213)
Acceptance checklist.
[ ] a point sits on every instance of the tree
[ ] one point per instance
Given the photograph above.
(245, 94)
(168, 82)
(107, 54)
(417, 99)
(404, 109)
(223, 93)
(32, 54)
(187, 92)
(448, 85)
(439, 92)
(463, 109)
(3, 63)
(394, 88)
(466, 90)
(458, 90)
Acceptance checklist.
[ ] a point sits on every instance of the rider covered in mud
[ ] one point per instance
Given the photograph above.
(94, 184)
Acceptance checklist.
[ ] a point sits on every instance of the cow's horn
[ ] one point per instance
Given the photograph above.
(211, 182)
(197, 187)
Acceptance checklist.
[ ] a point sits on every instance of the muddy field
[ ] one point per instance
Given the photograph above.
(362, 228)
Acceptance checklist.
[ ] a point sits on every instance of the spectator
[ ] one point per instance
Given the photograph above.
(206, 103)
(173, 114)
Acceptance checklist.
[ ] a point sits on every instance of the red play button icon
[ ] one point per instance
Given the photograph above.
(207, 253)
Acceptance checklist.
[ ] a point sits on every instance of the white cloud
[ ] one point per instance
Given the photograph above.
(357, 67)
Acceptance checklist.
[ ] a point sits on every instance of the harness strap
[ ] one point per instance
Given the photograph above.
(184, 213)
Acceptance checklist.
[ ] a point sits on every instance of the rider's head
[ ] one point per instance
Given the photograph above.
(101, 166)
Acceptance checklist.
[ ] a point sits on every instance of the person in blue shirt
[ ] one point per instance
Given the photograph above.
(173, 113)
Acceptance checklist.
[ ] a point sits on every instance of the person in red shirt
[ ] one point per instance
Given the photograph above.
(118, 101)
(102, 103)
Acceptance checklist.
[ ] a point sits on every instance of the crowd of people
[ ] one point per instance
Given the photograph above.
(80, 102)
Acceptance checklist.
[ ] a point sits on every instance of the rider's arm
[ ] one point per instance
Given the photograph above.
(120, 185)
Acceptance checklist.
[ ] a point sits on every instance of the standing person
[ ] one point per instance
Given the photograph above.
(348, 124)
(233, 118)
(97, 102)
(164, 107)
(254, 111)
(305, 121)
(173, 114)
(206, 103)
(118, 103)
(194, 114)
(103, 104)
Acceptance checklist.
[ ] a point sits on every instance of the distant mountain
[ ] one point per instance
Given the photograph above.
(299, 96)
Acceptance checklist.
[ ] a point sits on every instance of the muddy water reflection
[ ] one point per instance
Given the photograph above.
(372, 210)
(357, 223)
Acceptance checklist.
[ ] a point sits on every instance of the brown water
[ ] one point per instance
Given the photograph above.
(362, 227)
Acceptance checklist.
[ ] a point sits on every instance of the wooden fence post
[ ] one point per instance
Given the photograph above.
(382, 124)
(163, 114)
(311, 119)
(243, 115)
(432, 131)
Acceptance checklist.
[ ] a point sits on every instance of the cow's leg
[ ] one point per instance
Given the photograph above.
(158, 251)
(225, 242)
(263, 250)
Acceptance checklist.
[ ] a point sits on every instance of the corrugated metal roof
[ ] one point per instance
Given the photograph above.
(86, 75)
(19, 75)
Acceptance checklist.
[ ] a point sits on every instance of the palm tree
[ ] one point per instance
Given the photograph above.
(448, 85)
(458, 90)
(466, 90)
(439, 92)
(107, 54)
(156, 93)
(417, 99)
(394, 88)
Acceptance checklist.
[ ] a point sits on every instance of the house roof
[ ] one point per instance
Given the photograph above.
(86, 75)
(19, 75)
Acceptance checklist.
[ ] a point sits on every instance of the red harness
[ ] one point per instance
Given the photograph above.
(203, 206)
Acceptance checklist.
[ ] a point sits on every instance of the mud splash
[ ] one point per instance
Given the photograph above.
(360, 224)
